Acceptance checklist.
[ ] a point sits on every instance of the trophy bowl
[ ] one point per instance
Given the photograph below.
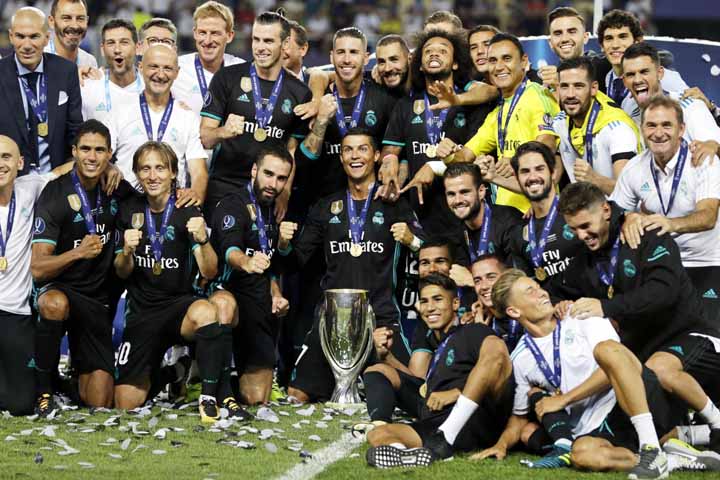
(346, 323)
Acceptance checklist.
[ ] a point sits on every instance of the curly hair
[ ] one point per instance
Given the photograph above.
(461, 56)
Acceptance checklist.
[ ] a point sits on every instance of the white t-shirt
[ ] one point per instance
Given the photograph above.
(128, 134)
(636, 186)
(16, 282)
(84, 59)
(101, 97)
(577, 342)
(614, 138)
(187, 87)
(699, 122)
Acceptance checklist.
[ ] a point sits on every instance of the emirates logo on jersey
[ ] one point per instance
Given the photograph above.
(367, 247)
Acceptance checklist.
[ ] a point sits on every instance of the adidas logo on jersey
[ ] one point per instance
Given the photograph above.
(710, 294)
(658, 253)
(100, 107)
(645, 187)
(417, 120)
(334, 220)
(78, 218)
(137, 131)
(243, 98)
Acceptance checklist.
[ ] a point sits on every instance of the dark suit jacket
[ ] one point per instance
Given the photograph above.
(63, 120)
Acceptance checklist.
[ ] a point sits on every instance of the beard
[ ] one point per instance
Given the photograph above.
(440, 76)
(540, 196)
(474, 210)
(259, 196)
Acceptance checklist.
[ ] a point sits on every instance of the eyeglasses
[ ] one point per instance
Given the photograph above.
(165, 41)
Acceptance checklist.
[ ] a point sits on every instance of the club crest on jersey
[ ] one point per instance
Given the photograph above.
(378, 218)
(460, 120)
(251, 210)
(568, 234)
(74, 202)
(39, 226)
(113, 207)
(286, 106)
(207, 99)
(228, 222)
(370, 118)
(419, 107)
(450, 359)
(138, 220)
(170, 233)
(629, 269)
(336, 207)
(245, 84)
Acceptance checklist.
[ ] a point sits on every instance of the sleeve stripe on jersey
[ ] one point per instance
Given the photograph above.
(519, 348)
(298, 136)
(194, 247)
(622, 156)
(422, 350)
(43, 240)
(285, 252)
(308, 153)
(390, 142)
(118, 251)
(228, 252)
(210, 115)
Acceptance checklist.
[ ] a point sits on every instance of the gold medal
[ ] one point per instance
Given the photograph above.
(611, 292)
(423, 390)
(157, 268)
(3, 264)
(355, 250)
(431, 151)
(540, 274)
(260, 134)
(42, 129)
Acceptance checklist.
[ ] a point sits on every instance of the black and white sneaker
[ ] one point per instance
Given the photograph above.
(440, 448)
(653, 464)
(45, 405)
(387, 456)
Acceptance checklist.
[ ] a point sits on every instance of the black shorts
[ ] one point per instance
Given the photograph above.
(408, 395)
(149, 332)
(17, 377)
(312, 373)
(89, 328)
(699, 360)
(667, 412)
(706, 281)
(255, 337)
(483, 428)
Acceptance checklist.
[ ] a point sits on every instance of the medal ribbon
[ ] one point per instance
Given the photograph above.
(607, 276)
(616, 89)
(682, 156)
(356, 223)
(156, 240)
(85, 203)
(38, 104)
(594, 112)
(436, 357)
(163, 121)
(554, 377)
(482, 247)
(200, 76)
(262, 234)
(502, 131)
(263, 114)
(357, 109)
(11, 218)
(537, 248)
(434, 124)
(514, 328)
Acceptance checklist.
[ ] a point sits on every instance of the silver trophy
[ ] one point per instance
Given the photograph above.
(346, 323)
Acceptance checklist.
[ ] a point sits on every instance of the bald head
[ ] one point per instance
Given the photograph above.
(10, 162)
(159, 69)
(29, 35)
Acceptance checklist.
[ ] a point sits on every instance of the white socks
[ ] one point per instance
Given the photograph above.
(461, 412)
(645, 429)
(696, 435)
(711, 414)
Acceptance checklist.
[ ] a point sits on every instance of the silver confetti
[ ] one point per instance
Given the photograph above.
(111, 440)
(116, 456)
(139, 447)
(706, 57)
(171, 416)
(306, 412)
(267, 415)
(271, 447)
(60, 467)
(315, 438)
(714, 70)
(111, 422)
(10, 438)
(321, 425)
(266, 433)
(284, 413)
(327, 418)
(160, 434)
(159, 452)
(125, 444)
(86, 465)
(245, 445)
(153, 422)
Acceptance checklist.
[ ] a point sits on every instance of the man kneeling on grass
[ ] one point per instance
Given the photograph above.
(467, 354)
(565, 369)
